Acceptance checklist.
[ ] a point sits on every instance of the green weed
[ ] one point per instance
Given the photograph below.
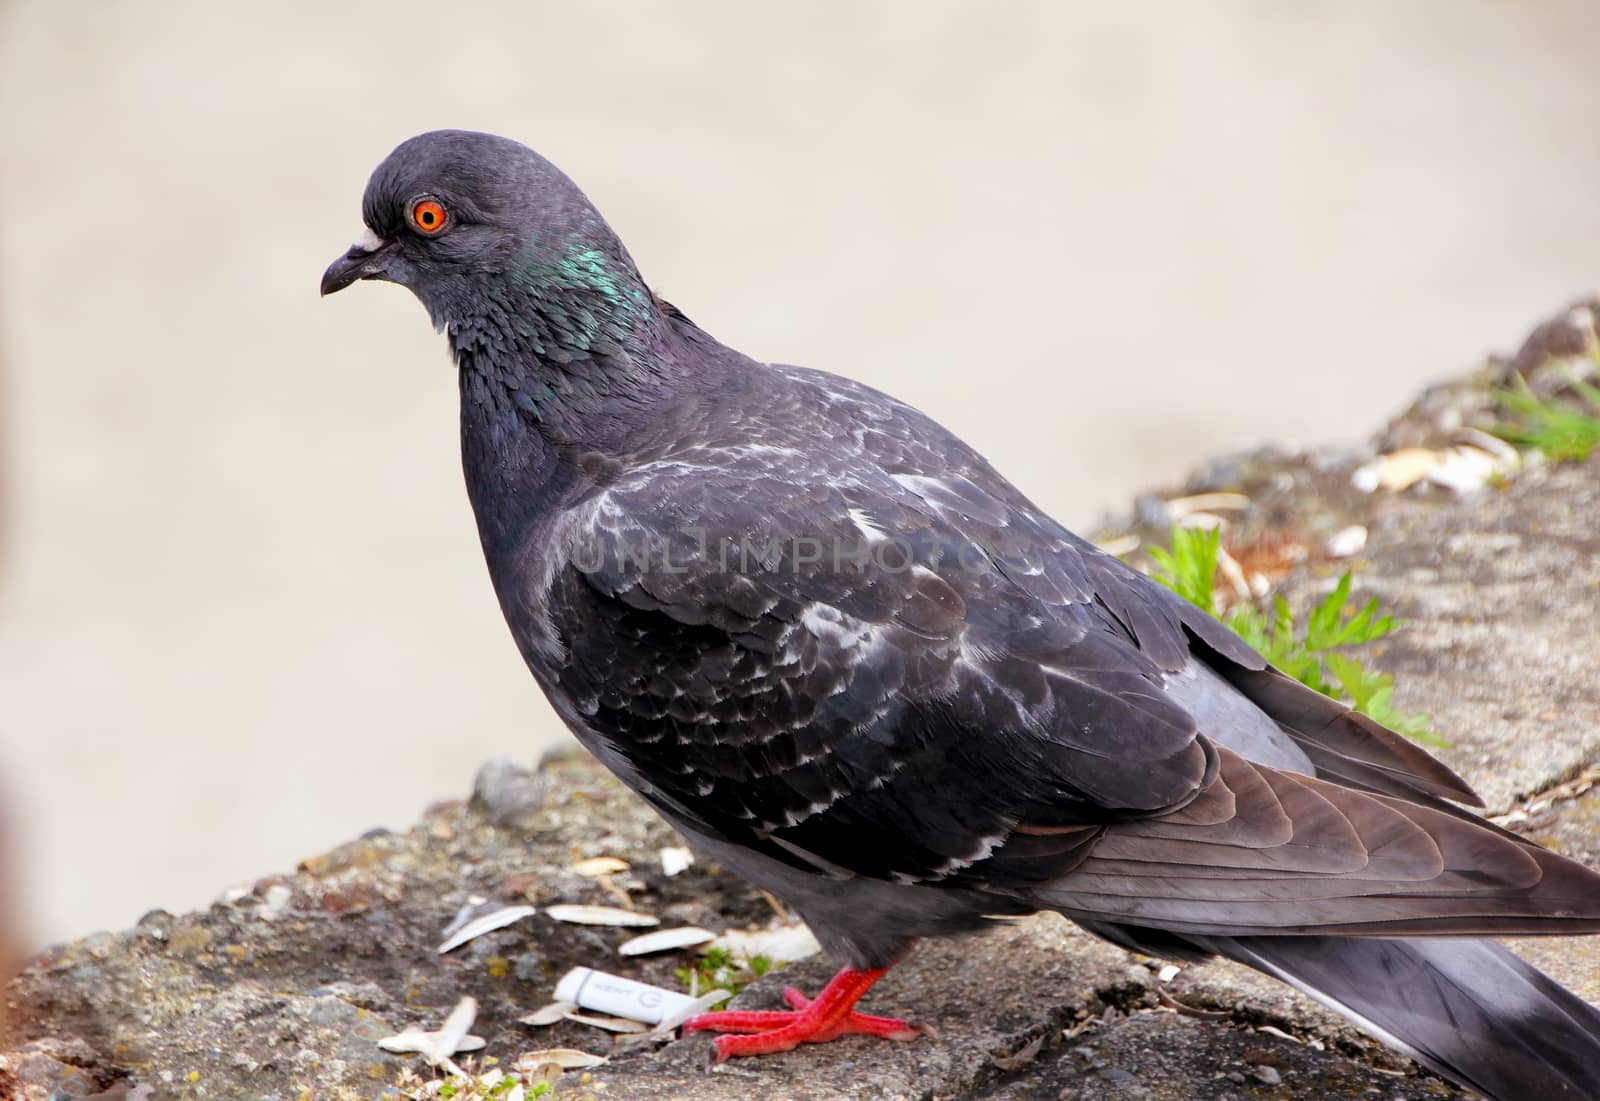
(718, 967)
(1313, 651)
(1560, 430)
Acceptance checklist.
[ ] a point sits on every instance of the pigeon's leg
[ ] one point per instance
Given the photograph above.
(829, 1015)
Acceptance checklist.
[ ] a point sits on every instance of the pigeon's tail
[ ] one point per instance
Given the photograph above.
(1467, 1009)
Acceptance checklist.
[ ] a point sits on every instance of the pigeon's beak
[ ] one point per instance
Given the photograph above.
(364, 260)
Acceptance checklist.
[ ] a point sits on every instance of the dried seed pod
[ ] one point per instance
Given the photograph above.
(567, 1058)
(485, 923)
(600, 865)
(579, 914)
(548, 1015)
(665, 940)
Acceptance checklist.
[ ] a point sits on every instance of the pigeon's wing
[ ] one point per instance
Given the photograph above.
(1223, 682)
(1265, 850)
(864, 678)
(832, 674)
(1360, 839)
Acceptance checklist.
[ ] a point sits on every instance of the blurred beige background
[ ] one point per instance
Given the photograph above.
(243, 614)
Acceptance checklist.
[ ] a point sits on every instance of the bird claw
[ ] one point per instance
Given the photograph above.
(797, 1030)
(809, 1021)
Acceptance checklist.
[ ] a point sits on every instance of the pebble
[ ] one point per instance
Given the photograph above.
(329, 1010)
(1346, 542)
(273, 901)
(506, 791)
(1330, 460)
(1152, 511)
(363, 995)
(1221, 472)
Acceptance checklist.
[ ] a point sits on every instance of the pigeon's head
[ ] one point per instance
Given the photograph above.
(462, 217)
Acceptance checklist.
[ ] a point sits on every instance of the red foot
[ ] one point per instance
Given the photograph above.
(828, 1017)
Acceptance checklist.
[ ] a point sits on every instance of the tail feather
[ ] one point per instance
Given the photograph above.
(1466, 1009)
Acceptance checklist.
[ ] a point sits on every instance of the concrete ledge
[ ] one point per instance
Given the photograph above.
(281, 990)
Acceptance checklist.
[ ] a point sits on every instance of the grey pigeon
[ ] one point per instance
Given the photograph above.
(844, 657)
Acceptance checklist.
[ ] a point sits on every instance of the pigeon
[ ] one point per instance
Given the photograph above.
(845, 658)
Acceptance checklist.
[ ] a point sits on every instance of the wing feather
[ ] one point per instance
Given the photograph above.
(1356, 861)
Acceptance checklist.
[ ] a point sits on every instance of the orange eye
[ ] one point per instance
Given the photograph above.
(428, 216)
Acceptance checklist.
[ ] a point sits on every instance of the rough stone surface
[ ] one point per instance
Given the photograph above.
(282, 991)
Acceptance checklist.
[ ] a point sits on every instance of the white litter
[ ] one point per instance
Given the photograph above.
(675, 860)
(616, 996)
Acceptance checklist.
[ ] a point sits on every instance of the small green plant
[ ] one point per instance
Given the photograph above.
(718, 967)
(1563, 432)
(1190, 567)
(1309, 652)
